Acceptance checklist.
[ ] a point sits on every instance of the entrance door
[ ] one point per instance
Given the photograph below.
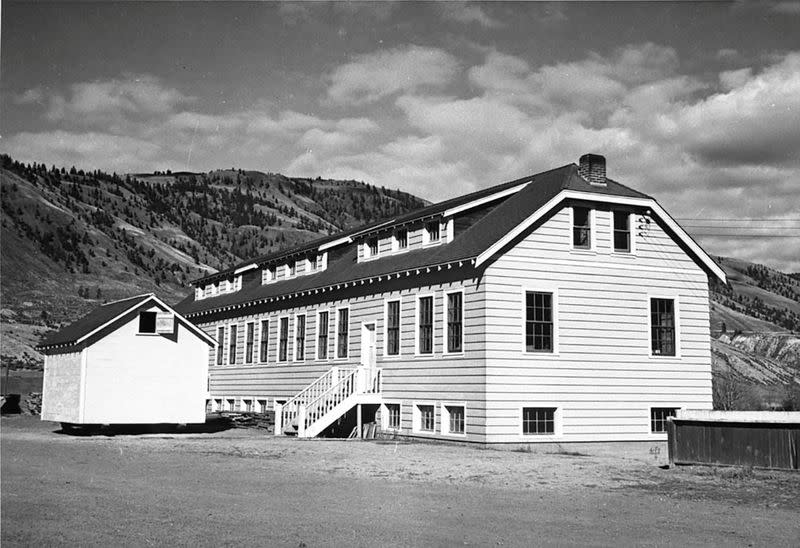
(368, 344)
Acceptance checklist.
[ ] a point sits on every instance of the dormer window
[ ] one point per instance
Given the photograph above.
(198, 293)
(268, 275)
(292, 267)
(433, 231)
(372, 247)
(401, 237)
(313, 263)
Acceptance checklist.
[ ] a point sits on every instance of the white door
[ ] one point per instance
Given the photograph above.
(368, 344)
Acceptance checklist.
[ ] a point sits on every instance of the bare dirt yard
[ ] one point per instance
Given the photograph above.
(243, 488)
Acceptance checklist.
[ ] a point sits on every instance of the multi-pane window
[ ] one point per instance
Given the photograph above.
(662, 327)
(220, 343)
(622, 231)
(283, 340)
(581, 228)
(313, 263)
(268, 275)
(538, 420)
(427, 420)
(658, 418)
(538, 321)
(393, 328)
(455, 313)
(433, 231)
(456, 418)
(342, 332)
(402, 238)
(322, 335)
(425, 325)
(300, 337)
(393, 416)
(292, 268)
(232, 345)
(247, 406)
(264, 346)
(372, 247)
(249, 340)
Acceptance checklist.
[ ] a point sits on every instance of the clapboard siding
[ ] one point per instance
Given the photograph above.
(430, 379)
(602, 378)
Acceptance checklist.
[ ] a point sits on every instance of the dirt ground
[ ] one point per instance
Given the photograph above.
(240, 487)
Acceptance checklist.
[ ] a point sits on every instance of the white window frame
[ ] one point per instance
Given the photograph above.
(592, 230)
(660, 435)
(426, 236)
(336, 333)
(416, 417)
(540, 287)
(288, 339)
(396, 242)
(254, 348)
(433, 325)
(259, 325)
(305, 337)
(288, 269)
(558, 421)
(269, 275)
(328, 336)
(386, 302)
(444, 420)
(221, 346)
(445, 293)
(631, 232)
(385, 416)
(676, 307)
(368, 254)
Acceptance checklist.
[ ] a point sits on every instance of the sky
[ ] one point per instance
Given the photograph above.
(696, 104)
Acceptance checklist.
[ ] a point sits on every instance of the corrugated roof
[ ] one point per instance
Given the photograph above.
(94, 319)
(466, 245)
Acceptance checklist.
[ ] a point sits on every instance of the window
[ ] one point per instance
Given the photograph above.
(392, 416)
(662, 327)
(538, 321)
(283, 340)
(147, 322)
(262, 406)
(292, 267)
(427, 420)
(342, 332)
(248, 347)
(538, 421)
(454, 419)
(658, 418)
(313, 263)
(622, 232)
(264, 346)
(372, 247)
(401, 237)
(268, 275)
(581, 228)
(231, 405)
(455, 315)
(247, 406)
(322, 336)
(232, 345)
(425, 325)
(432, 230)
(220, 343)
(393, 328)
(300, 337)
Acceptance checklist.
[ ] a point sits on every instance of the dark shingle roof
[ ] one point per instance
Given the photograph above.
(94, 319)
(465, 246)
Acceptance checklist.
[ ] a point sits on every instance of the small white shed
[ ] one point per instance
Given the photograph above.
(133, 361)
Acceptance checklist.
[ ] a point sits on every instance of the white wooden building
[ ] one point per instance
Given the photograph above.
(133, 361)
(560, 307)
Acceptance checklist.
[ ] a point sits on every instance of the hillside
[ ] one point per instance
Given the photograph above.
(72, 239)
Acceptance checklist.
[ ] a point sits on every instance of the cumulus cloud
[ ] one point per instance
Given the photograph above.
(467, 13)
(373, 76)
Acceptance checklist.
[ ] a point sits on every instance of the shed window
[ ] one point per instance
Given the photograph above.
(147, 322)
(662, 327)
(581, 228)
(658, 418)
(538, 321)
(425, 325)
(622, 232)
(538, 420)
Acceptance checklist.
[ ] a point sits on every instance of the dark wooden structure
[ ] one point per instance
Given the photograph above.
(758, 439)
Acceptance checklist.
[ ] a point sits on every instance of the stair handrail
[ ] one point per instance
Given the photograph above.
(347, 382)
(313, 391)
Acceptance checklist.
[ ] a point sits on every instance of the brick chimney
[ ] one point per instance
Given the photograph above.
(592, 167)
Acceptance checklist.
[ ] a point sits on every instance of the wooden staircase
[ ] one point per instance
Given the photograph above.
(326, 399)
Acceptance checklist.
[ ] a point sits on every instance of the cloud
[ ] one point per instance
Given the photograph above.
(467, 13)
(786, 8)
(373, 76)
(30, 96)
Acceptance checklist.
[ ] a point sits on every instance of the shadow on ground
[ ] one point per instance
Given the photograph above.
(212, 424)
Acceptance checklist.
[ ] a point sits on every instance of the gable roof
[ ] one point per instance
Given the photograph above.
(104, 316)
(523, 201)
